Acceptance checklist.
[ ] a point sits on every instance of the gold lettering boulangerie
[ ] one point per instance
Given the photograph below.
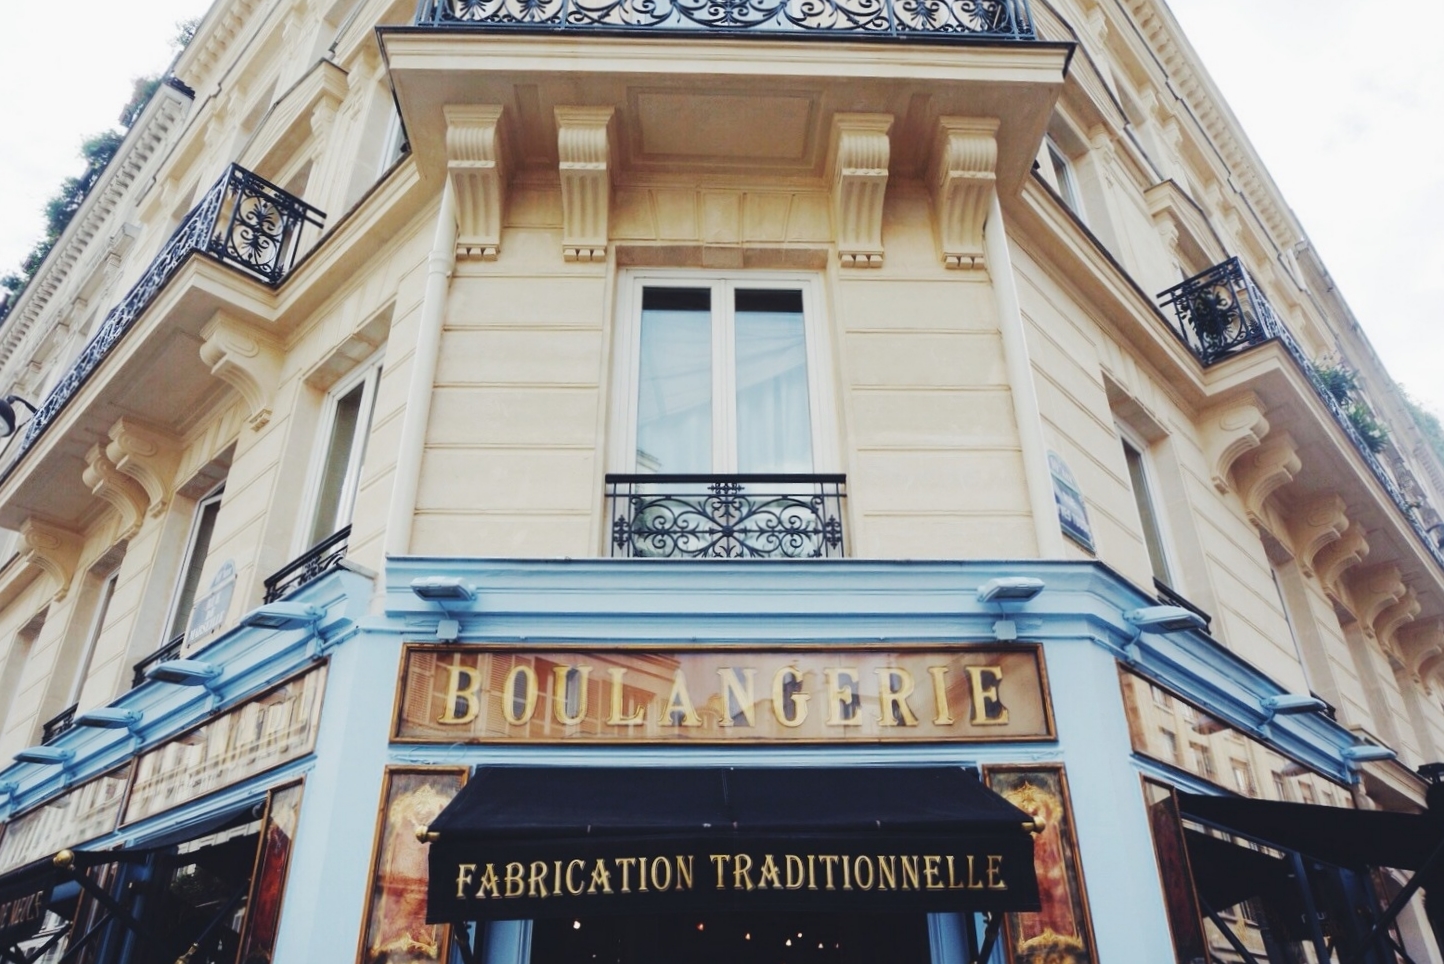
(727, 695)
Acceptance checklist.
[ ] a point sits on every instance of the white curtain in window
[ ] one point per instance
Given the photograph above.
(674, 403)
(774, 426)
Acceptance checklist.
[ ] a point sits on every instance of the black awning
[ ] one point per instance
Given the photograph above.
(1345, 838)
(523, 842)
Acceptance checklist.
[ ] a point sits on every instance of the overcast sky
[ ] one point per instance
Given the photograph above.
(1344, 103)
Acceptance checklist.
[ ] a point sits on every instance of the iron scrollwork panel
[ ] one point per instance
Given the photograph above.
(1006, 19)
(721, 517)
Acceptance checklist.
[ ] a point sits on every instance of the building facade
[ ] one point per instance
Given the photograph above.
(553, 481)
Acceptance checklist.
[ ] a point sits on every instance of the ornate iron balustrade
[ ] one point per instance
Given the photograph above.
(726, 516)
(1221, 313)
(932, 20)
(316, 562)
(51, 729)
(170, 650)
(243, 221)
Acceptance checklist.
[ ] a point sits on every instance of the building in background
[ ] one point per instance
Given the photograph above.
(567, 480)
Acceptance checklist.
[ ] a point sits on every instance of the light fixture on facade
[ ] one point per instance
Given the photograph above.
(1010, 589)
(45, 755)
(442, 589)
(184, 672)
(1366, 753)
(106, 718)
(282, 615)
(7, 413)
(7, 789)
(1159, 619)
(1291, 704)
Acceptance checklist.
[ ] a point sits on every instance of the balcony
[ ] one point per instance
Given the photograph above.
(947, 21)
(726, 516)
(243, 222)
(1221, 313)
(62, 722)
(320, 559)
(170, 650)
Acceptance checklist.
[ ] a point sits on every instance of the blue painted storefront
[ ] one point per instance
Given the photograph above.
(359, 628)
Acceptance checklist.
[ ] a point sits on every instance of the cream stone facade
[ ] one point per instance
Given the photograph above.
(975, 222)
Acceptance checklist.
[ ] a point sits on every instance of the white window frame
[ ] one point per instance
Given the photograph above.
(368, 375)
(213, 497)
(103, 599)
(1066, 183)
(622, 455)
(1131, 439)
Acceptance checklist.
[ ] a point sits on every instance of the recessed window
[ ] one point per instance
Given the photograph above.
(1139, 477)
(92, 637)
(198, 547)
(347, 423)
(724, 379)
(1064, 180)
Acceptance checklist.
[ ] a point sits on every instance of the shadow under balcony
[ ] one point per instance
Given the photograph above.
(726, 516)
(1221, 315)
(228, 255)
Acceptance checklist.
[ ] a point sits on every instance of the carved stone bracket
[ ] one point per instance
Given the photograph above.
(962, 175)
(857, 172)
(148, 455)
(1374, 589)
(123, 493)
(1422, 647)
(476, 165)
(53, 550)
(1263, 471)
(1229, 430)
(1315, 524)
(1338, 557)
(584, 149)
(246, 359)
(1388, 623)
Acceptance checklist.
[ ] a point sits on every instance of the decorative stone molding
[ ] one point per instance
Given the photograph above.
(52, 549)
(476, 165)
(1422, 645)
(1374, 589)
(1338, 557)
(1229, 430)
(1388, 623)
(244, 358)
(1263, 471)
(962, 176)
(148, 455)
(123, 493)
(857, 172)
(584, 148)
(1315, 524)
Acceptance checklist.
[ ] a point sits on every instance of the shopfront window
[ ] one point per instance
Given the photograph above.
(730, 939)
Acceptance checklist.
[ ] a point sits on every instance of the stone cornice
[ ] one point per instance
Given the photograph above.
(166, 109)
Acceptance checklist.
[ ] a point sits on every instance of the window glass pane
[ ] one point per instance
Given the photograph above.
(200, 548)
(774, 424)
(1146, 515)
(674, 395)
(338, 458)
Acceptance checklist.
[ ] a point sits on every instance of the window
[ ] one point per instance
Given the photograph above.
(97, 623)
(1160, 697)
(724, 378)
(198, 546)
(1139, 479)
(1281, 787)
(1060, 175)
(1170, 745)
(1202, 760)
(1242, 778)
(347, 423)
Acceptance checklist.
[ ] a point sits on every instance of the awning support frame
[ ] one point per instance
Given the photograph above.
(116, 909)
(1397, 905)
(1228, 933)
(1306, 890)
(990, 937)
(73, 950)
(464, 936)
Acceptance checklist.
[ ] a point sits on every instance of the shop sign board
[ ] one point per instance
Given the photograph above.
(84, 813)
(723, 695)
(262, 733)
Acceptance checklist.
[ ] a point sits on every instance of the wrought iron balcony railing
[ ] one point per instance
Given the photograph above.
(243, 221)
(1221, 313)
(51, 729)
(314, 563)
(726, 516)
(170, 650)
(936, 21)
